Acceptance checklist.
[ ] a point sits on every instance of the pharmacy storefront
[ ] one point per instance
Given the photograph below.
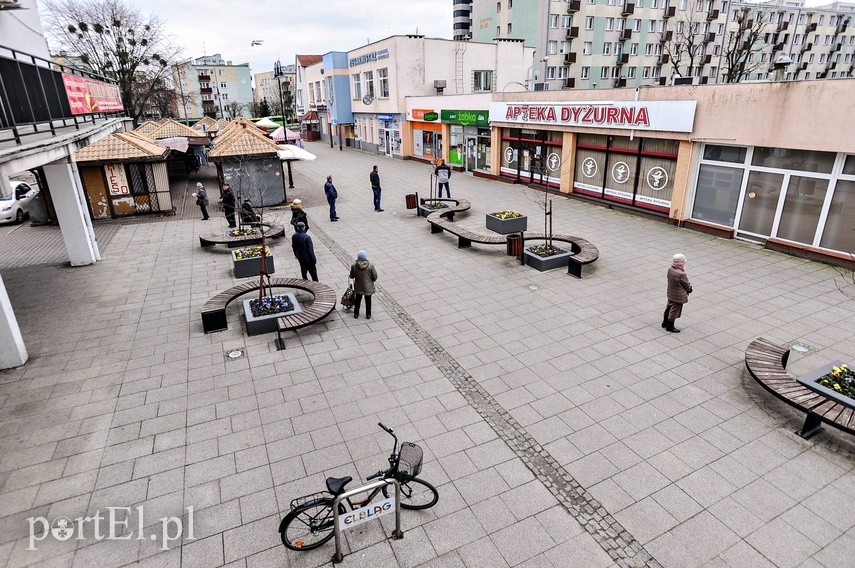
(633, 161)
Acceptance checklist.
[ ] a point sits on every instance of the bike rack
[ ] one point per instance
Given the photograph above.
(396, 534)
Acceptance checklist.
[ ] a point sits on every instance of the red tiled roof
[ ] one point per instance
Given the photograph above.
(306, 60)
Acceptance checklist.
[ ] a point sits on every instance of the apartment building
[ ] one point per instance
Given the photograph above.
(592, 44)
(211, 86)
(268, 85)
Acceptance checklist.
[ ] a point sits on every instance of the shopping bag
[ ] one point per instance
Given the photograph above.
(347, 297)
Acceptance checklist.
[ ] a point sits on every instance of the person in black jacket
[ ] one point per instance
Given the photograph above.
(229, 204)
(375, 187)
(304, 251)
(247, 213)
(298, 215)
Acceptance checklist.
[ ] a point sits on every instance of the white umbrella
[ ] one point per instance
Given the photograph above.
(290, 152)
(266, 123)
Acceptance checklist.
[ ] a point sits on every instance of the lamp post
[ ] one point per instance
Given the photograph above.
(278, 72)
(533, 73)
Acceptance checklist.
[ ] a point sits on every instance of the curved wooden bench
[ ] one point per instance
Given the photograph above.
(584, 251)
(214, 310)
(460, 205)
(767, 362)
(272, 231)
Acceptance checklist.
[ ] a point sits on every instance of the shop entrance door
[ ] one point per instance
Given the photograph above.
(388, 142)
(760, 204)
(470, 162)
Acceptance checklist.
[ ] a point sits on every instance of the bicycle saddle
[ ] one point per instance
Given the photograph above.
(335, 485)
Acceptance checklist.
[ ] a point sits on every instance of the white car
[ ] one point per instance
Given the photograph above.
(14, 205)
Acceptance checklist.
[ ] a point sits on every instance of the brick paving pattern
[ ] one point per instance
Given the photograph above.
(560, 424)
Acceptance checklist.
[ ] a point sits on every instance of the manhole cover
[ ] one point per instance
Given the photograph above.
(534, 288)
(234, 354)
(800, 348)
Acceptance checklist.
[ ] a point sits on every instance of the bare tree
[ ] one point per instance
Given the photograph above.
(740, 45)
(687, 43)
(235, 108)
(115, 40)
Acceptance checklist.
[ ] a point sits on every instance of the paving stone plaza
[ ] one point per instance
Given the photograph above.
(560, 423)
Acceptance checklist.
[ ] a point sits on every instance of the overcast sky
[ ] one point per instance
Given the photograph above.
(288, 27)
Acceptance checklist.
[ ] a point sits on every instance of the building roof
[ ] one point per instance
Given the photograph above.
(243, 140)
(306, 60)
(122, 147)
(146, 127)
(168, 128)
(205, 124)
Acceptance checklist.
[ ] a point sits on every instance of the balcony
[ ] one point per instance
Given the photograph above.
(664, 59)
(622, 59)
(626, 34)
(778, 47)
(803, 66)
(206, 90)
(573, 32)
(712, 15)
(627, 10)
(669, 12)
(783, 26)
(807, 47)
(569, 83)
(708, 37)
(574, 6)
(663, 81)
(204, 78)
(704, 80)
(569, 58)
(811, 27)
(745, 24)
(621, 82)
(831, 66)
(666, 36)
(707, 59)
(839, 46)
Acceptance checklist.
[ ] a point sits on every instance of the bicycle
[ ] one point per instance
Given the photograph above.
(311, 521)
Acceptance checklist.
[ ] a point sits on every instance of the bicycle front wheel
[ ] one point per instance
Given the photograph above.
(308, 526)
(415, 493)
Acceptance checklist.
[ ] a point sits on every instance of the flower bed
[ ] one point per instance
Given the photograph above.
(250, 252)
(270, 305)
(242, 232)
(427, 208)
(545, 257)
(261, 316)
(507, 222)
(835, 380)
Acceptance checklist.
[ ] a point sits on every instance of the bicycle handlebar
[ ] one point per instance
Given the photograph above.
(375, 475)
(385, 427)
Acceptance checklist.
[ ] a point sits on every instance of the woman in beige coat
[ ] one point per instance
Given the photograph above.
(679, 289)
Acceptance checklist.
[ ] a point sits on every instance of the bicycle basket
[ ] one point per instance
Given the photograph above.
(307, 499)
(410, 459)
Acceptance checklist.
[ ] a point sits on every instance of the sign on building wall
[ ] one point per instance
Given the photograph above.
(466, 117)
(425, 114)
(88, 95)
(368, 57)
(117, 182)
(670, 116)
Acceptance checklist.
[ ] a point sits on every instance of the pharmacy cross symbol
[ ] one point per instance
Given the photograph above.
(620, 172)
(554, 161)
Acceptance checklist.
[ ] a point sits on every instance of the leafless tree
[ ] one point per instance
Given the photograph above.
(687, 44)
(115, 40)
(740, 45)
(235, 108)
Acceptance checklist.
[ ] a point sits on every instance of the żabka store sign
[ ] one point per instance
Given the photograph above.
(670, 116)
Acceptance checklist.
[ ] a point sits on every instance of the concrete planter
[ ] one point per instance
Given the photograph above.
(249, 267)
(810, 381)
(507, 226)
(267, 324)
(544, 263)
(424, 211)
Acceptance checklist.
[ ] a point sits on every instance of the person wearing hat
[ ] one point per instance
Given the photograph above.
(298, 215)
(229, 204)
(304, 251)
(247, 213)
(202, 200)
(364, 275)
(679, 289)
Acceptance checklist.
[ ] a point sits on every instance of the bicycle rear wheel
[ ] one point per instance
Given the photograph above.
(415, 493)
(308, 526)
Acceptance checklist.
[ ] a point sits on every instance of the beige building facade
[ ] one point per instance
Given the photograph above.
(212, 86)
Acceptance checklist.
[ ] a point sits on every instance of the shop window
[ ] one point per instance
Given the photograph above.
(717, 194)
(801, 160)
(849, 166)
(802, 207)
(838, 233)
(730, 154)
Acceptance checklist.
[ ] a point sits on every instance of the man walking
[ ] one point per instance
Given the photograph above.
(679, 289)
(304, 251)
(332, 195)
(375, 187)
(443, 174)
(229, 204)
(202, 200)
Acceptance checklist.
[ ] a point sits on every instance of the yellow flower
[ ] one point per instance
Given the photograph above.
(836, 387)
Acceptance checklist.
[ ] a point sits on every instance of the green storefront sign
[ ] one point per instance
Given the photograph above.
(466, 117)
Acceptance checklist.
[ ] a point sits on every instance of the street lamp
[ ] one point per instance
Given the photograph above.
(278, 72)
(534, 73)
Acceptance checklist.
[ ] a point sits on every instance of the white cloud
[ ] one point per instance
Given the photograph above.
(289, 27)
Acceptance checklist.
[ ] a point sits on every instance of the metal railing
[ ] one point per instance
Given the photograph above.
(33, 97)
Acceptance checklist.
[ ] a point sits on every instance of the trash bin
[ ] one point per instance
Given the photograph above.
(515, 244)
(412, 200)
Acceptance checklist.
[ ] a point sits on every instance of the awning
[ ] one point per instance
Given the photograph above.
(290, 152)
(282, 134)
(177, 143)
(311, 116)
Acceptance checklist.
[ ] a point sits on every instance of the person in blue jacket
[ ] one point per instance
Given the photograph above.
(332, 195)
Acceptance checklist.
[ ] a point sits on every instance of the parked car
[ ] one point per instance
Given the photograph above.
(14, 205)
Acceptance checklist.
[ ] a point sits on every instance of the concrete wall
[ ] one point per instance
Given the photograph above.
(256, 179)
